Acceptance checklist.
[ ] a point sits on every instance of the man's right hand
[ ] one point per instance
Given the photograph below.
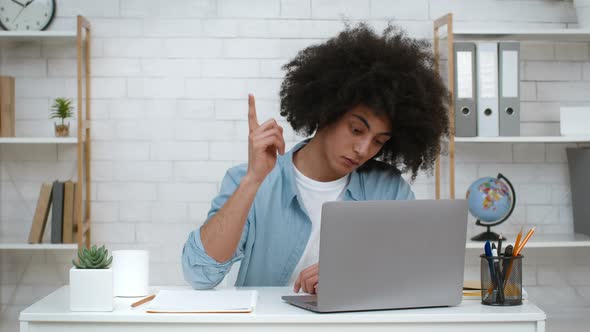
(264, 141)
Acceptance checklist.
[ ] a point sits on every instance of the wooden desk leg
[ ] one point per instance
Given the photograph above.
(24, 327)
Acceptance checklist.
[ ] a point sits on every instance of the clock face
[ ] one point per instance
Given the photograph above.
(26, 14)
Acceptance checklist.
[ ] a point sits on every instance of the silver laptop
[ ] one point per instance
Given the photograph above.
(378, 255)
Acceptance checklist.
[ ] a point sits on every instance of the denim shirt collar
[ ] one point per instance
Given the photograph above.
(353, 189)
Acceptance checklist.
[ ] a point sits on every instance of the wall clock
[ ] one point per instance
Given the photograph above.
(26, 14)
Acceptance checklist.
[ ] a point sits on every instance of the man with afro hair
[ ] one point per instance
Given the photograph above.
(376, 109)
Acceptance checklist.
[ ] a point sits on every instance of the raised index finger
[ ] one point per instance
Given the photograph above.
(252, 119)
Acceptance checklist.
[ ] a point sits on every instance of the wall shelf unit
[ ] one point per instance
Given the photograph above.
(444, 32)
(38, 140)
(525, 139)
(37, 35)
(545, 241)
(563, 35)
(39, 246)
(81, 37)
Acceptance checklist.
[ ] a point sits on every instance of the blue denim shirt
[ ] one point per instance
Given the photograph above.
(277, 227)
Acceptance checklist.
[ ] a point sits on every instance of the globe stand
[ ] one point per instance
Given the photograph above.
(488, 235)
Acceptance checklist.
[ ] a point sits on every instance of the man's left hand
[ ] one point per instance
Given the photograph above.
(307, 280)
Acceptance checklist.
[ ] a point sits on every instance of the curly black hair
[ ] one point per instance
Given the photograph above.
(392, 74)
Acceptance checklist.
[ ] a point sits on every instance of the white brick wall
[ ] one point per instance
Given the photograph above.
(200, 171)
(172, 28)
(566, 91)
(337, 9)
(552, 71)
(126, 191)
(399, 9)
(187, 192)
(169, 87)
(155, 88)
(537, 51)
(571, 51)
(528, 91)
(105, 67)
(237, 8)
(539, 111)
(179, 151)
(295, 8)
(586, 74)
(528, 152)
(162, 8)
(113, 150)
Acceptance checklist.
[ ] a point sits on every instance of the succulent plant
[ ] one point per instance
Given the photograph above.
(93, 258)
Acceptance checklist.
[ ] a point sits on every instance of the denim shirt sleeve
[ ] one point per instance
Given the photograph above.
(200, 269)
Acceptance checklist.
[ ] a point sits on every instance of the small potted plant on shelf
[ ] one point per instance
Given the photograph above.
(62, 109)
(91, 280)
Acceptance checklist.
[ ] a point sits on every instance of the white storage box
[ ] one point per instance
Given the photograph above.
(574, 120)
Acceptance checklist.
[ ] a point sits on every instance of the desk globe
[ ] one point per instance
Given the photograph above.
(491, 201)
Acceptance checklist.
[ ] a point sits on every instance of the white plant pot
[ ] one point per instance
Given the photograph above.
(582, 8)
(91, 289)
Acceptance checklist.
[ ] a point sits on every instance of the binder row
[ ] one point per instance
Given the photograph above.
(487, 92)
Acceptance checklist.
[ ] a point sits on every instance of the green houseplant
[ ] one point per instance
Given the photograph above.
(93, 258)
(62, 109)
(91, 280)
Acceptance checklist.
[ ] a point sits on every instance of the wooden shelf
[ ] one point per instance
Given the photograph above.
(446, 32)
(522, 34)
(545, 241)
(38, 140)
(524, 139)
(39, 246)
(80, 38)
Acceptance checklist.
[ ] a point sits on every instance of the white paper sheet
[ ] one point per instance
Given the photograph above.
(209, 301)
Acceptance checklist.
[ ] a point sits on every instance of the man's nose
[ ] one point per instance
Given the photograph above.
(362, 148)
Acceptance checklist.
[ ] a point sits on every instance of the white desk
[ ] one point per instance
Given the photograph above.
(272, 314)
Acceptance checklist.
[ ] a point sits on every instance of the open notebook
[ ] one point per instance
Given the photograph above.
(208, 301)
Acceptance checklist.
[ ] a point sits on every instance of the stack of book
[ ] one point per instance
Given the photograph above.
(59, 197)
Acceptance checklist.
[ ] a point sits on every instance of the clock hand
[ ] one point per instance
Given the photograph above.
(18, 3)
(28, 3)
(17, 15)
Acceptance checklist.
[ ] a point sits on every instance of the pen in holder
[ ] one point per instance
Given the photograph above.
(501, 280)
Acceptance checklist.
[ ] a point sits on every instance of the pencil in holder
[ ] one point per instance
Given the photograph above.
(501, 280)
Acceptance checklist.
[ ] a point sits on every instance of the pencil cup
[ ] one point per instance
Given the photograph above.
(131, 273)
(501, 280)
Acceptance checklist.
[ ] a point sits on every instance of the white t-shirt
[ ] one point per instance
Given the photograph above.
(313, 194)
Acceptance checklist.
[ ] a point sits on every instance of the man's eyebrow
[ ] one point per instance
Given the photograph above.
(363, 120)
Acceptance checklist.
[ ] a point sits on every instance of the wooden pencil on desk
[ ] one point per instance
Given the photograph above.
(142, 301)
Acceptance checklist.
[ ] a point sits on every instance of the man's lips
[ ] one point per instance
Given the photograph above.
(352, 162)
